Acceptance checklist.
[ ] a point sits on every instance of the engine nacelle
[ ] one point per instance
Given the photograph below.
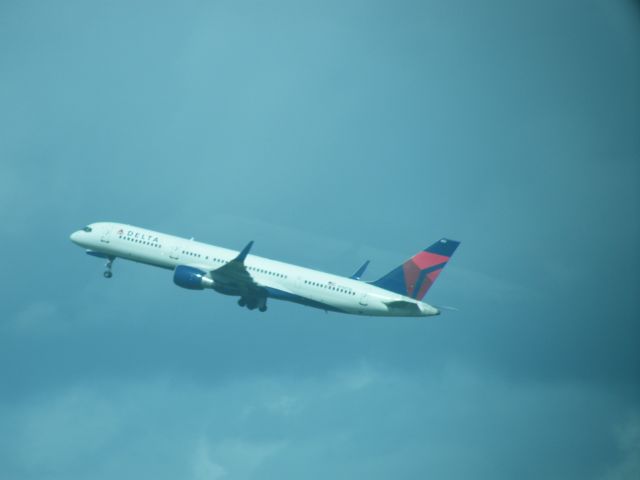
(191, 278)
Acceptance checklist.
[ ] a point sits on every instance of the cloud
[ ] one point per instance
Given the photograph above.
(61, 433)
(330, 134)
(204, 468)
(357, 378)
(628, 437)
(241, 459)
(36, 318)
(413, 425)
(284, 405)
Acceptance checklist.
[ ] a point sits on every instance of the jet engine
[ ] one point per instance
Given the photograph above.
(191, 278)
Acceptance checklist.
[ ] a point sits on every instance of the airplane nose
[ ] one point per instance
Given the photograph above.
(74, 237)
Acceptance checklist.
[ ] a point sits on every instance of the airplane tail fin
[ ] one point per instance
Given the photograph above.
(415, 276)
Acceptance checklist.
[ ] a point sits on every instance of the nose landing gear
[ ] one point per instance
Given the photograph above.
(108, 273)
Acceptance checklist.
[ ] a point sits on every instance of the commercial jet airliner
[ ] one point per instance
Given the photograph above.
(254, 279)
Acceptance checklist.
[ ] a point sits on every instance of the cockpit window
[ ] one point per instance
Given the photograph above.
(87, 229)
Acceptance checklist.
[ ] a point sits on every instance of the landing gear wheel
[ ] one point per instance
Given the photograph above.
(242, 302)
(107, 273)
(262, 304)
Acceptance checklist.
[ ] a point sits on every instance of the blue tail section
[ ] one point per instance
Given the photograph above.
(415, 276)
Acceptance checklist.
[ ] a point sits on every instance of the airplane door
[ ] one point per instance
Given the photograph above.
(104, 237)
(174, 253)
(364, 301)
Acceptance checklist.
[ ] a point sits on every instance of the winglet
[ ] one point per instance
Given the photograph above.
(243, 254)
(360, 271)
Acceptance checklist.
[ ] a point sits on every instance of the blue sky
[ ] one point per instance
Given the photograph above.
(330, 133)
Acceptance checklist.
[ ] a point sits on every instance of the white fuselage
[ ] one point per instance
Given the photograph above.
(284, 281)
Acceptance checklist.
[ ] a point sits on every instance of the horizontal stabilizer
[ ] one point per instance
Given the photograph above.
(402, 306)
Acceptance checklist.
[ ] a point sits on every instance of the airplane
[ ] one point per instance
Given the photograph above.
(199, 266)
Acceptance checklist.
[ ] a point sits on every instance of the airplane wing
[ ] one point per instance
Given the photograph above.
(234, 276)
